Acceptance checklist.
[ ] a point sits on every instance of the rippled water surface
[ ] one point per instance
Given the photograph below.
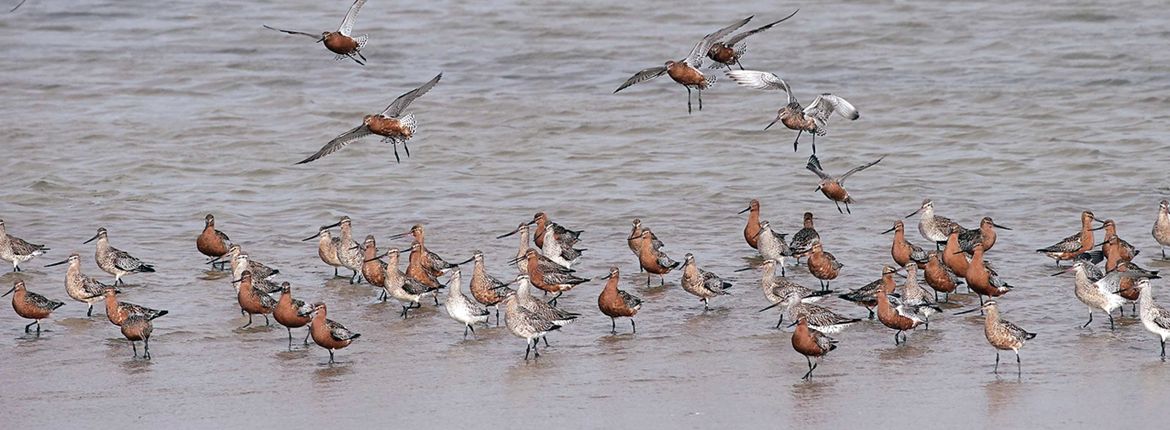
(142, 120)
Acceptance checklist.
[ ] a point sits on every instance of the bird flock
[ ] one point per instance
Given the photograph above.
(548, 251)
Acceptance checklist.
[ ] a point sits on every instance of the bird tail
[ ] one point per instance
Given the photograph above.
(355, 336)
(145, 268)
(1029, 336)
(159, 314)
(408, 122)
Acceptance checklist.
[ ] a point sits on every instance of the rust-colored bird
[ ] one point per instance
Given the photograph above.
(833, 187)
(340, 42)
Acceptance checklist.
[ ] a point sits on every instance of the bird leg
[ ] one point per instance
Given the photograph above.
(1087, 323)
(838, 206)
(1110, 321)
(781, 321)
(26, 328)
(135, 347)
(633, 326)
(688, 99)
(808, 375)
(796, 143)
(307, 333)
(1019, 371)
(612, 325)
(289, 338)
(249, 322)
(89, 313)
(331, 356)
(996, 371)
(700, 90)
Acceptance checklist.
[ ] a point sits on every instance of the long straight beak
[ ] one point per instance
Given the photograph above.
(1071, 268)
(770, 307)
(355, 247)
(377, 257)
(465, 261)
(58, 263)
(607, 276)
(968, 311)
(400, 235)
(236, 281)
(507, 234)
(9, 291)
(1098, 228)
(744, 269)
(772, 123)
(215, 260)
(91, 239)
(746, 209)
(999, 226)
(516, 260)
(913, 213)
(758, 233)
(891, 229)
(311, 237)
(794, 323)
(332, 225)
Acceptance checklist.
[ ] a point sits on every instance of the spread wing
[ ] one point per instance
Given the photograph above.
(339, 142)
(814, 165)
(859, 168)
(347, 23)
(759, 80)
(299, 33)
(642, 76)
(695, 58)
(825, 104)
(404, 100)
(740, 37)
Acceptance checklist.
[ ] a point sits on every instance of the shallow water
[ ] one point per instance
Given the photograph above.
(143, 121)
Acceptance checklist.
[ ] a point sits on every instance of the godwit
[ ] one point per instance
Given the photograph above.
(1095, 295)
(900, 318)
(118, 311)
(813, 118)
(1113, 262)
(1126, 251)
(686, 71)
(432, 262)
(1154, 317)
(340, 42)
(778, 288)
(819, 317)
(833, 187)
(406, 290)
(558, 253)
(1002, 334)
(615, 303)
(864, 296)
(634, 240)
(80, 287)
(725, 53)
(259, 270)
(327, 247)
(540, 308)
(985, 235)
(395, 128)
(982, 279)
(31, 305)
(253, 301)
(805, 237)
(138, 327)
(115, 261)
(902, 250)
(953, 256)
(811, 343)
(485, 288)
(823, 265)
(1161, 229)
(916, 296)
(551, 281)
(939, 277)
(211, 242)
(934, 228)
(772, 247)
(1072, 246)
(462, 309)
(751, 231)
(242, 265)
(521, 254)
(701, 283)
(16, 250)
(653, 261)
(526, 324)
(373, 268)
(327, 333)
(349, 252)
(289, 311)
(565, 236)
